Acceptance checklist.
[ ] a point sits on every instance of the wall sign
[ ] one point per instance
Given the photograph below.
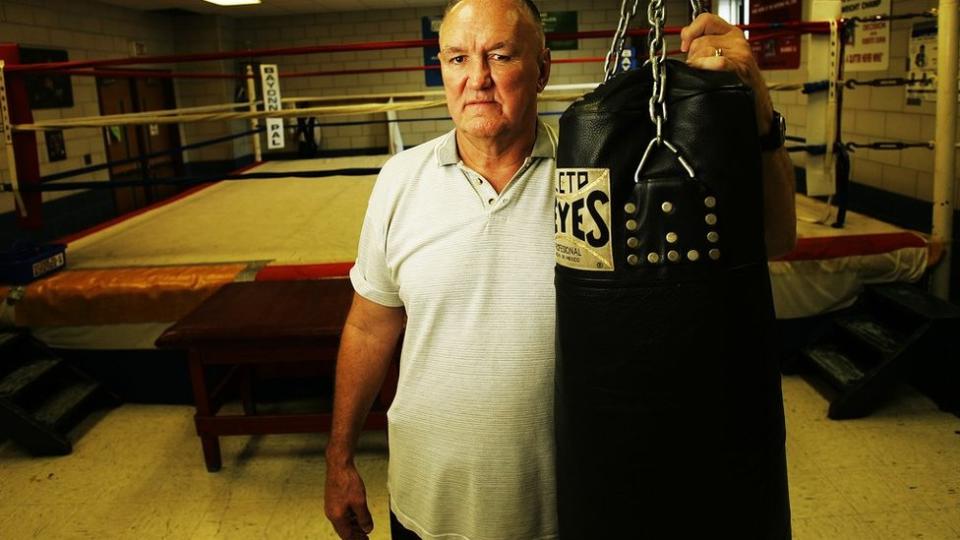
(868, 43)
(56, 147)
(47, 90)
(560, 22)
(430, 29)
(922, 63)
(775, 50)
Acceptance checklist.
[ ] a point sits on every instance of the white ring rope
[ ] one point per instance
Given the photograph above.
(422, 94)
(784, 87)
(176, 116)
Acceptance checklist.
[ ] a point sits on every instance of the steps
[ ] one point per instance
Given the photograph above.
(42, 397)
(894, 331)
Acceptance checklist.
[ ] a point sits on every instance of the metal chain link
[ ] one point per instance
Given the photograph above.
(628, 9)
(611, 63)
(657, 56)
(656, 16)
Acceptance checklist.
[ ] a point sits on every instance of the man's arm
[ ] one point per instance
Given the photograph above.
(779, 207)
(700, 40)
(366, 350)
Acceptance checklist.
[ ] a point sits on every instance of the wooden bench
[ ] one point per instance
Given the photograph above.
(270, 324)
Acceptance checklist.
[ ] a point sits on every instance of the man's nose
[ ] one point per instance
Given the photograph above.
(478, 76)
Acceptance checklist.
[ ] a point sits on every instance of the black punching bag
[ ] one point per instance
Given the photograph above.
(669, 416)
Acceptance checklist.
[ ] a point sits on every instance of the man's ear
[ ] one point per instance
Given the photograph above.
(544, 66)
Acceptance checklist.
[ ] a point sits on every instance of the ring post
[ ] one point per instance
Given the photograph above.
(7, 129)
(822, 106)
(21, 146)
(254, 123)
(946, 136)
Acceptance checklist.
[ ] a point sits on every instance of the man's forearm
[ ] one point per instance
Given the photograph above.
(779, 207)
(366, 350)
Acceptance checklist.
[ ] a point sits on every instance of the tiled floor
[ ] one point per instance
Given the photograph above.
(138, 473)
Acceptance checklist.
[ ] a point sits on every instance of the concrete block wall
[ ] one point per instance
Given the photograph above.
(869, 114)
(87, 30)
(876, 114)
(201, 34)
(405, 24)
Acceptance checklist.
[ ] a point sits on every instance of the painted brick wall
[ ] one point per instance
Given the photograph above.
(199, 34)
(405, 24)
(876, 114)
(87, 30)
(869, 113)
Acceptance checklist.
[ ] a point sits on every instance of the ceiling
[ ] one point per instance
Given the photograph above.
(273, 7)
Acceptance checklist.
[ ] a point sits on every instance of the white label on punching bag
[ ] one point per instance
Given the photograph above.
(582, 219)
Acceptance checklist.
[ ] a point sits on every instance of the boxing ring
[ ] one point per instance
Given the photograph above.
(129, 279)
(829, 266)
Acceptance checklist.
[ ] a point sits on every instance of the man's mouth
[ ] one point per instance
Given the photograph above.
(480, 102)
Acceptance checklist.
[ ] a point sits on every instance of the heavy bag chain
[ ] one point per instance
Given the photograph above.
(656, 17)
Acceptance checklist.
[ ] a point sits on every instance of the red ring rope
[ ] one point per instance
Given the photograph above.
(799, 26)
(289, 74)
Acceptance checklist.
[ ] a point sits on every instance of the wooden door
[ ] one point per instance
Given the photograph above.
(121, 142)
(153, 94)
(120, 95)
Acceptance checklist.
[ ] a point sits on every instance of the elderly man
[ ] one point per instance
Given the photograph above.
(457, 248)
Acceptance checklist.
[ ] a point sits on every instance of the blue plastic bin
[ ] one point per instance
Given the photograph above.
(28, 262)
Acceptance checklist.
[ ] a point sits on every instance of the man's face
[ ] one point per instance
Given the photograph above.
(493, 66)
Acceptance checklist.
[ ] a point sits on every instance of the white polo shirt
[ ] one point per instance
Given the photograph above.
(471, 426)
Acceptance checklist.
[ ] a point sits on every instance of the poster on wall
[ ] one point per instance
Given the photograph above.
(47, 90)
(430, 29)
(922, 64)
(56, 147)
(775, 50)
(868, 43)
(560, 22)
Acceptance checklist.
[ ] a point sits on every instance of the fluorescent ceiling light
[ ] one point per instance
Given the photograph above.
(233, 2)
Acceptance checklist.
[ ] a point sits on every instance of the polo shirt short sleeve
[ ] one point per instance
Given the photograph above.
(471, 425)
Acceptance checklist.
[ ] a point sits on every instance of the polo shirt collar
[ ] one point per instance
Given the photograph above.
(543, 147)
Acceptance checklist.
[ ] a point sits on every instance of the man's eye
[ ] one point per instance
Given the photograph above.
(501, 57)
(457, 59)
